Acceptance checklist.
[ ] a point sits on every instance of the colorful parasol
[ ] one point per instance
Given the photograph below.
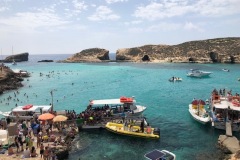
(59, 118)
(46, 116)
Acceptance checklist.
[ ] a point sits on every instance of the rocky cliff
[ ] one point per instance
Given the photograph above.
(90, 55)
(17, 58)
(8, 79)
(221, 50)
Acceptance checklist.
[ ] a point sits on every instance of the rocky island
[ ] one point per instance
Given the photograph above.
(90, 55)
(218, 50)
(17, 58)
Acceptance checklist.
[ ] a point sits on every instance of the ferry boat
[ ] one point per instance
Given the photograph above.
(135, 131)
(118, 106)
(198, 73)
(26, 112)
(198, 112)
(225, 109)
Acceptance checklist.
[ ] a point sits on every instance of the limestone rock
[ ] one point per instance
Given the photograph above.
(17, 58)
(8, 79)
(90, 55)
(228, 144)
(220, 50)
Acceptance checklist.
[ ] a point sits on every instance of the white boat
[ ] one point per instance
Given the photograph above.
(118, 106)
(27, 111)
(21, 73)
(14, 63)
(198, 112)
(198, 73)
(225, 108)
(225, 70)
(160, 155)
(175, 79)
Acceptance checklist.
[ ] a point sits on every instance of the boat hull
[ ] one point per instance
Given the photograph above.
(198, 73)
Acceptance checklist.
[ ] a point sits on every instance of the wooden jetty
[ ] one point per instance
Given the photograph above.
(83, 125)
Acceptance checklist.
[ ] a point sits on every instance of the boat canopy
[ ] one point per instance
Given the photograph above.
(107, 102)
(222, 105)
(155, 155)
(32, 109)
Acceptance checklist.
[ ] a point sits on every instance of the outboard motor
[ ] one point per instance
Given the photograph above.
(156, 131)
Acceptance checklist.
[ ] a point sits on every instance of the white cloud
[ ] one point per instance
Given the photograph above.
(32, 20)
(115, 1)
(191, 26)
(164, 26)
(103, 13)
(135, 30)
(166, 9)
(217, 7)
(133, 22)
(79, 5)
(171, 8)
(2, 9)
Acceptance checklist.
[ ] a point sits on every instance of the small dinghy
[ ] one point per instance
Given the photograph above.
(225, 70)
(175, 79)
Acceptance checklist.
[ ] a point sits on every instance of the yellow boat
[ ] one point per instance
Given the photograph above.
(133, 130)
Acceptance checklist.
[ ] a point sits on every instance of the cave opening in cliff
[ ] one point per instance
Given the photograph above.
(232, 59)
(191, 59)
(214, 56)
(145, 58)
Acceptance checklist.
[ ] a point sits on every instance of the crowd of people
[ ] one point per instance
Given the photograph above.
(36, 138)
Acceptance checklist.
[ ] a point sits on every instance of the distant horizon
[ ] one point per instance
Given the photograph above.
(44, 54)
(70, 26)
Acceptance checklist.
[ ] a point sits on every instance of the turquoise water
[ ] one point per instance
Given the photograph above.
(167, 103)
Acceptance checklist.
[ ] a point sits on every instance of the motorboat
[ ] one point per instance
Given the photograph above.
(126, 105)
(21, 73)
(26, 112)
(198, 112)
(133, 130)
(225, 70)
(198, 73)
(175, 79)
(225, 108)
(238, 79)
(160, 155)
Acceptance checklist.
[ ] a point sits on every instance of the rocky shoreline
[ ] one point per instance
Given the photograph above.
(9, 80)
(218, 50)
(229, 145)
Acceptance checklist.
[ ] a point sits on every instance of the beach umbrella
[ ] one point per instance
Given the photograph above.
(46, 116)
(59, 118)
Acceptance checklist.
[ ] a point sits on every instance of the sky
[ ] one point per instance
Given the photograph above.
(70, 26)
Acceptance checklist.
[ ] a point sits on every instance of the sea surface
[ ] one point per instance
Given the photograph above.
(74, 84)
